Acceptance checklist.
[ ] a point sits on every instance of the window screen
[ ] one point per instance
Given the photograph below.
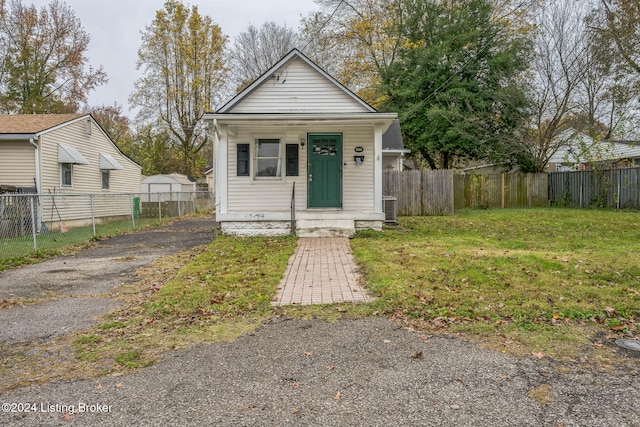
(268, 157)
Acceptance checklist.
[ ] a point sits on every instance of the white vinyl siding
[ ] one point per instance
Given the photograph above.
(18, 163)
(252, 196)
(297, 87)
(86, 178)
(358, 181)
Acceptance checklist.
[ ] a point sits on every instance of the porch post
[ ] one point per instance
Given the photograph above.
(377, 186)
(221, 143)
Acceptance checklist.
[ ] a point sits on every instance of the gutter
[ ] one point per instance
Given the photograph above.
(32, 141)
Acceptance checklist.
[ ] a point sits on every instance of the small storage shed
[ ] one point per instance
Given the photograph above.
(166, 187)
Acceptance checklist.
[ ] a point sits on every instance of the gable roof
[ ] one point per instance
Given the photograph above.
(33, 123)
(295, 53)
(392, 139)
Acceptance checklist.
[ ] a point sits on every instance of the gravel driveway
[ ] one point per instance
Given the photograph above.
(290, 372)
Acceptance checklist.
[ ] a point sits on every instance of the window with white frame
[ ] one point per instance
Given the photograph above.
(66, 174)
(268, 158)
(105, 179)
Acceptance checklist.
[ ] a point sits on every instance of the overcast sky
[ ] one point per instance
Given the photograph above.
(115, 27)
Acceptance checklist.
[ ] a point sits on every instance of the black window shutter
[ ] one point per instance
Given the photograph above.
(242, 166)
(292, 159)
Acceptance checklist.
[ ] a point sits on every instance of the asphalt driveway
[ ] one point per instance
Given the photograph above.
(76, 288)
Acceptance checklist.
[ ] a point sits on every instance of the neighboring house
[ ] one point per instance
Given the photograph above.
(63, 158)
(63, 153)
(297, 127)
(393, 150)
(581, 152)
(166, 187)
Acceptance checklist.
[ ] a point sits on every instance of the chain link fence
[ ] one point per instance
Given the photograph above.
(32, 223)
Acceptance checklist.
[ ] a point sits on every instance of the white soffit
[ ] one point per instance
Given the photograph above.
(109, 163)
(68, 154)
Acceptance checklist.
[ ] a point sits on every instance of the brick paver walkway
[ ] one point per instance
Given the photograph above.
(321, 271)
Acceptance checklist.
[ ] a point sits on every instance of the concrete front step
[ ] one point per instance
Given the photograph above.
(325, 228)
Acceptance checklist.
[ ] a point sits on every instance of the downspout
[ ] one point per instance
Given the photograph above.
(37, 159)
(33, 142)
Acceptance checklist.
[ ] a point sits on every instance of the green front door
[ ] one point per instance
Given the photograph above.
(325, 171)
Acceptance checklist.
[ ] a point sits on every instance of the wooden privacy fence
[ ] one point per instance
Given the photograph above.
(526, 190)
(615, 188)
(420, 192)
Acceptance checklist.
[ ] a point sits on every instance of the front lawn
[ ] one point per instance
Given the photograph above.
(545, 279)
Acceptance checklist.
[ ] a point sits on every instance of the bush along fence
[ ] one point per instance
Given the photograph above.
(612, 188)
(37, 222)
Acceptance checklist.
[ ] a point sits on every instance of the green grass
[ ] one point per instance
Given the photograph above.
(520, 271)
(18, 251)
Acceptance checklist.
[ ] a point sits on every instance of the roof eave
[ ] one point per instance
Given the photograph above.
(298, 117)
(18, 136)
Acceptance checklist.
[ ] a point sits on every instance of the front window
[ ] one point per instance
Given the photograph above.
(268, 158)
(66, 174)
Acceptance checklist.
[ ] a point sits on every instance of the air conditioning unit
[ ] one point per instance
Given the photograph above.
(390, 205)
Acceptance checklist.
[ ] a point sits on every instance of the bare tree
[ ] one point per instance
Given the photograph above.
(558, 68)
(622, 28)
(43, 59)
(255, 50)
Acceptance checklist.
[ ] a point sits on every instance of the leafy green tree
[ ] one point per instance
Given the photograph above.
(456, 83)
(42, 68)
(154, 151)
(182, 58)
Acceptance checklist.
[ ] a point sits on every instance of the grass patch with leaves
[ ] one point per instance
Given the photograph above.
(524, 274)
(213, 293)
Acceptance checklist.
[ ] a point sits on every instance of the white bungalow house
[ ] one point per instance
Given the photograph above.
(297, 151)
